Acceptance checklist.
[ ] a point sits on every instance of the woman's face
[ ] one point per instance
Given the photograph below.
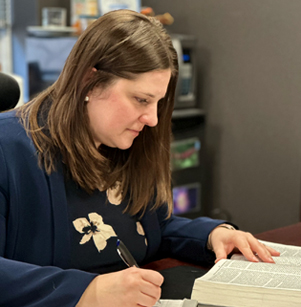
(119, 113)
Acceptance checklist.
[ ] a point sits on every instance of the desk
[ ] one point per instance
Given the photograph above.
(176, 287)
(286, 235)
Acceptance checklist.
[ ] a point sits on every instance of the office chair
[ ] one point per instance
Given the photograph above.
(9, 92)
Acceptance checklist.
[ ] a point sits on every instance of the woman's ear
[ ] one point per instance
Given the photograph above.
(89, 74)
(87, 77)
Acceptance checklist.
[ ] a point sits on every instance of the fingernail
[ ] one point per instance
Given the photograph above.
(255, 259)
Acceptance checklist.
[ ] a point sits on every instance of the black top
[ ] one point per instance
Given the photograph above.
(96, 222)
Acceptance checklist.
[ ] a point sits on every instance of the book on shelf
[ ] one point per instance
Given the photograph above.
(238, 282)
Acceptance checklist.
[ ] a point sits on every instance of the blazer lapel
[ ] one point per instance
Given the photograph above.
(61, 244)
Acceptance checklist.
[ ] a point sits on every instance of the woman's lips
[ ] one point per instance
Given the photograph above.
(134, 132)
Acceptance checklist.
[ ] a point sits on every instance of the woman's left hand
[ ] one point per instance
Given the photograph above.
(223, 241)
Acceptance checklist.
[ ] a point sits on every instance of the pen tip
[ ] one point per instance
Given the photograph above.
(118, 242)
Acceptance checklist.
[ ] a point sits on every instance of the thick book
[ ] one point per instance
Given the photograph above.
(237, 282)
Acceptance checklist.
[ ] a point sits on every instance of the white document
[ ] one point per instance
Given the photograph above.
(169, 303)
(177, 303)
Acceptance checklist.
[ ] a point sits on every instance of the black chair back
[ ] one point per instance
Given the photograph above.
(9, 92)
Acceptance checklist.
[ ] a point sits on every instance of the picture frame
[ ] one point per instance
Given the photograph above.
(106, 6)
(185, 153)
(186, 198)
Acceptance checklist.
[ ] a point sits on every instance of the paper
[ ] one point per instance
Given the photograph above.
(169, 303)
(177, 303)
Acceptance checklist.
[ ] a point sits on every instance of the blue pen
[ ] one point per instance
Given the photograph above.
(127, 257)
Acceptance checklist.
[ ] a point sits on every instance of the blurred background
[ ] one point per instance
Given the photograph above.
(236, 150)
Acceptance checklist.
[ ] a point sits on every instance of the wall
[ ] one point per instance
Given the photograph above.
(249, 57)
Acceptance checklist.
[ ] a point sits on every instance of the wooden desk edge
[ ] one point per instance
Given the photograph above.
(290, 235)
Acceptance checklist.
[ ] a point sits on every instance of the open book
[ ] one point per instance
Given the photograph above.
(238, 282)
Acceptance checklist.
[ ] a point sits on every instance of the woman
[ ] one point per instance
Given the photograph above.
(87, 163)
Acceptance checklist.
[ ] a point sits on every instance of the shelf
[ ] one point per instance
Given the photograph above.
(186, 113)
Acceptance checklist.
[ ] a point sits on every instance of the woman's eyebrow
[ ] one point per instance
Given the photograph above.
(151, 95)
(148, 94)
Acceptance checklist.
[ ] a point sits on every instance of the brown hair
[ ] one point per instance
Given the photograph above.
(120, 44)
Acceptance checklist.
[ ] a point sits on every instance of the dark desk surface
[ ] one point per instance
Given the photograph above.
(286, 235)
(175, 270)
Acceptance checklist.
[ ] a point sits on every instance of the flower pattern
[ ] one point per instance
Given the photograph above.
(141, 231)
(95, 229)
(114, 194)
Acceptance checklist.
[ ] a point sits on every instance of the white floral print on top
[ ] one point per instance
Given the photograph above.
(96, 229)
(141, 231)
(113, 196)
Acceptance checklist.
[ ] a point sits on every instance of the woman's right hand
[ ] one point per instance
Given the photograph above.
(128, 288)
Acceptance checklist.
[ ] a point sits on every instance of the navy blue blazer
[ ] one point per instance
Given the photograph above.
(34, 234)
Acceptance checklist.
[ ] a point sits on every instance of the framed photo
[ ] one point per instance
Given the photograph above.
(54, 17)
(186, 198)
(185, 153)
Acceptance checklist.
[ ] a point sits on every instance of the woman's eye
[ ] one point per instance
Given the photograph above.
(141, 100)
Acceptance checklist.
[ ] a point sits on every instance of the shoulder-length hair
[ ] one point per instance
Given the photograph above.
(120, 44)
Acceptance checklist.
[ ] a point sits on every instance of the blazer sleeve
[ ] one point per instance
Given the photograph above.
(24, 284)
(184, 238)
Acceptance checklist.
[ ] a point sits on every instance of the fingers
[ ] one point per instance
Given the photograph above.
(273, 252)
(264, 252)
(224, 241)
(149, 295)
(148, 283)
(128, 288)
(220, 252)
(240, 240)
(152, 277)
(250, 247)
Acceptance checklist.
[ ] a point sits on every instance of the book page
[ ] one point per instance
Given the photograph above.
(289, 254)
(245, 273)
(284, 249)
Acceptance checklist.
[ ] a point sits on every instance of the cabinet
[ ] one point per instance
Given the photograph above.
(187, 161)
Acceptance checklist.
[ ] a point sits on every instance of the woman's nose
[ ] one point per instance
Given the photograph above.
(150, 116)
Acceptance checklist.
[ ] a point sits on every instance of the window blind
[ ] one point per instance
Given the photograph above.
(5, 14)
(5, 36)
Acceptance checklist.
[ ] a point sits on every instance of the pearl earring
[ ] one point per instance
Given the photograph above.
(87, 98)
